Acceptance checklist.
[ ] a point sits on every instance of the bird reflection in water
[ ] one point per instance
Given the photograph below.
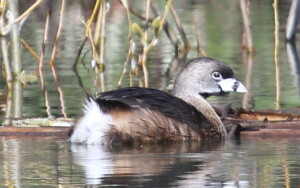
(152, 165)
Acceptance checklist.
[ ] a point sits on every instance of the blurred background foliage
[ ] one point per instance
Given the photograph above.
(212, 28)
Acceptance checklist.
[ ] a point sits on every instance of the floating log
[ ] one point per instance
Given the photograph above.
(240, 123)
(61, 132)
(279, 124)
(271, 133)
(267, 116)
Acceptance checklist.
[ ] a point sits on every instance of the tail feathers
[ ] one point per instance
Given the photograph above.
(91, 105)
(93, 126)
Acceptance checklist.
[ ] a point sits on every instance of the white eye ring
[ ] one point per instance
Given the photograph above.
(216, 76)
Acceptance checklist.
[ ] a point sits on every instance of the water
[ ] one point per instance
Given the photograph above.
(244, 163)
(52, 162)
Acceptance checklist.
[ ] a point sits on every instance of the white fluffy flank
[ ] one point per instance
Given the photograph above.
(91, 128)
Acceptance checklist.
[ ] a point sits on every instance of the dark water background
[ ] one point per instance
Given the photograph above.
(36, 162)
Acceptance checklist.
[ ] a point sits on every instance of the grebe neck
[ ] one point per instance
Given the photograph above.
(205, 108)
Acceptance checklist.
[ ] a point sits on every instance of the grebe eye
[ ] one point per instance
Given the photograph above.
(216, 76)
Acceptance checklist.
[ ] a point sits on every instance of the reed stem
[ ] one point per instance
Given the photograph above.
(9, 79)
(200, 51)
(129, 55)
(40, 66)
(79, 52)
(248, 61)
(16, 62)
(30, 49)
(169, 32)
(145, 54)
(58, 34)
(276, 50)
(292, 21)
(91, 19)
(179, 26)
(247, 24)
(97, 32)
(28, 11)
(102, 44)
(4, 49)
(9, 105)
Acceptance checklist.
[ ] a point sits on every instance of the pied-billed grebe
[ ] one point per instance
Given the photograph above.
(136, 114)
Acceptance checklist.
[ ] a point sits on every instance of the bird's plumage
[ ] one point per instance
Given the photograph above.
(152, 99)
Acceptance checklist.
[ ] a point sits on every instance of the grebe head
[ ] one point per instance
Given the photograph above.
(206, 76)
